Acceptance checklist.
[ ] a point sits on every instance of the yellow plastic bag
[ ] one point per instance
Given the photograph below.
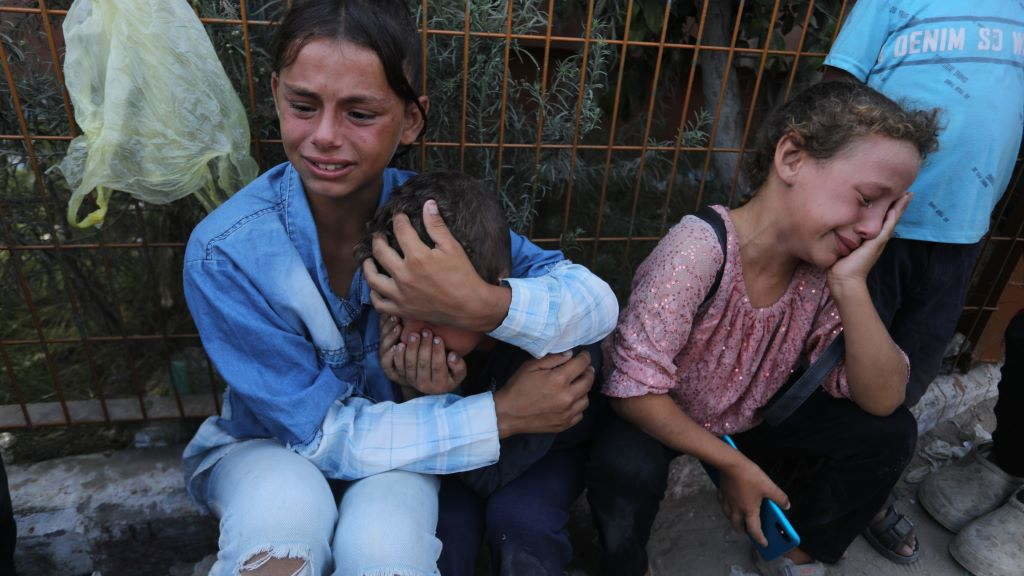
(159, 117)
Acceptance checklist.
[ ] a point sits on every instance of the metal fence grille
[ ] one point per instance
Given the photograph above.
(601, 123)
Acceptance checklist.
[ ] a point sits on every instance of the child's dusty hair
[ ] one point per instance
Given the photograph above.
(471, 211)
(828, 116)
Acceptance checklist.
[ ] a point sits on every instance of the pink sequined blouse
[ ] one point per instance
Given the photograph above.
(720, 364)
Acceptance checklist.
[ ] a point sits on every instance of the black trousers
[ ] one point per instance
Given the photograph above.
(524, 522)
(836, 463)
(8, 530)
(919, 290)
(1008, 437)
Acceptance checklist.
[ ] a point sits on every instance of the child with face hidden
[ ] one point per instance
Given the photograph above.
(312, 466)
(830, 172)
(521, 503)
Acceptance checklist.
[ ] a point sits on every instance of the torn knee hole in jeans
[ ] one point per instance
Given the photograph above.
(275, 561)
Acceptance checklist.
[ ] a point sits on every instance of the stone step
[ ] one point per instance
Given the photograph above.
(123, 512)
(126, 512)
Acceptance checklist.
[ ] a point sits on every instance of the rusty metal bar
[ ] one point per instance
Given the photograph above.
(96, 246)
(449, 144)
(611, 132)
(58, 69)
(647, 129)
(799, 48)
(839, 23)
(601, 147)
(424, 48)
(718, 106)
(504, 96)
(9, 368)
(204, 20)
(250, 81)
(100, 339)
(34, 137)
(133, 377)
(161, 314)
(753, 103)
(540, 109)
(38, 247)
(986, 303)
(611, 41)
(1014, 185)
(683, 115)
(465, 87)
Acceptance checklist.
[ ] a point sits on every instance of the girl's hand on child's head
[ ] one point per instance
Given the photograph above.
(437, 285)
(740, 492)
(422, 363)
(854, 268)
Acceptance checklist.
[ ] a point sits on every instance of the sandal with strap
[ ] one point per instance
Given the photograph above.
(890, 533)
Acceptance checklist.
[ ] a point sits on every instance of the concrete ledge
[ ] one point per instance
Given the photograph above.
(127, 512)
(118, 513)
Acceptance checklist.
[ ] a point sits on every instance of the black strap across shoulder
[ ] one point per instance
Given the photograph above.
(784, 404)
(793, 397)
(714, 219)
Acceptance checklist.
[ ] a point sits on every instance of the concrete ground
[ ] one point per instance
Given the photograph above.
(691, 536)
(694, 538)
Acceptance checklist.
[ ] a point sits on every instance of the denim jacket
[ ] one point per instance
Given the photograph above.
(301, 363)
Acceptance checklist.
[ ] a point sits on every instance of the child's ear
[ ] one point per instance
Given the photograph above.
(414, 120)
(789, 157)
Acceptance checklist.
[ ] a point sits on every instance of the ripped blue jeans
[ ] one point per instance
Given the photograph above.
(274, 503)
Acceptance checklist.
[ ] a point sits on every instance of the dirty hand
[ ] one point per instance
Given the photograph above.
(422, 363)
(740, 492)
(437, 285)
(546, 395)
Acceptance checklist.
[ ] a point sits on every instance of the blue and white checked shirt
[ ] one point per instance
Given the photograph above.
(301, 363)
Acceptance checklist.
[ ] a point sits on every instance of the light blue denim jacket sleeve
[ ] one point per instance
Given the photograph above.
(556, 304)
(301, 364)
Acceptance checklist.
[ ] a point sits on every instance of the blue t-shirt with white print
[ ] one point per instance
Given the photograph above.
(965, 57)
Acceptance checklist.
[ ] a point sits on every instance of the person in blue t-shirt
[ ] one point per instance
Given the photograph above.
(965, 57)
(312, 466)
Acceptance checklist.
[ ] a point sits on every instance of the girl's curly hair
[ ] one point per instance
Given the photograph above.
(826, 117)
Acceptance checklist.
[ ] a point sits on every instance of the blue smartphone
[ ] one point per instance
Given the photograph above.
(781, 535)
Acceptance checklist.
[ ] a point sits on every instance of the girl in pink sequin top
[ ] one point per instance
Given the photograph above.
(831, 172)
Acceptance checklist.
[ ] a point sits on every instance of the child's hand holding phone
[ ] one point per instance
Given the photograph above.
(741, 491)
(751, 501)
